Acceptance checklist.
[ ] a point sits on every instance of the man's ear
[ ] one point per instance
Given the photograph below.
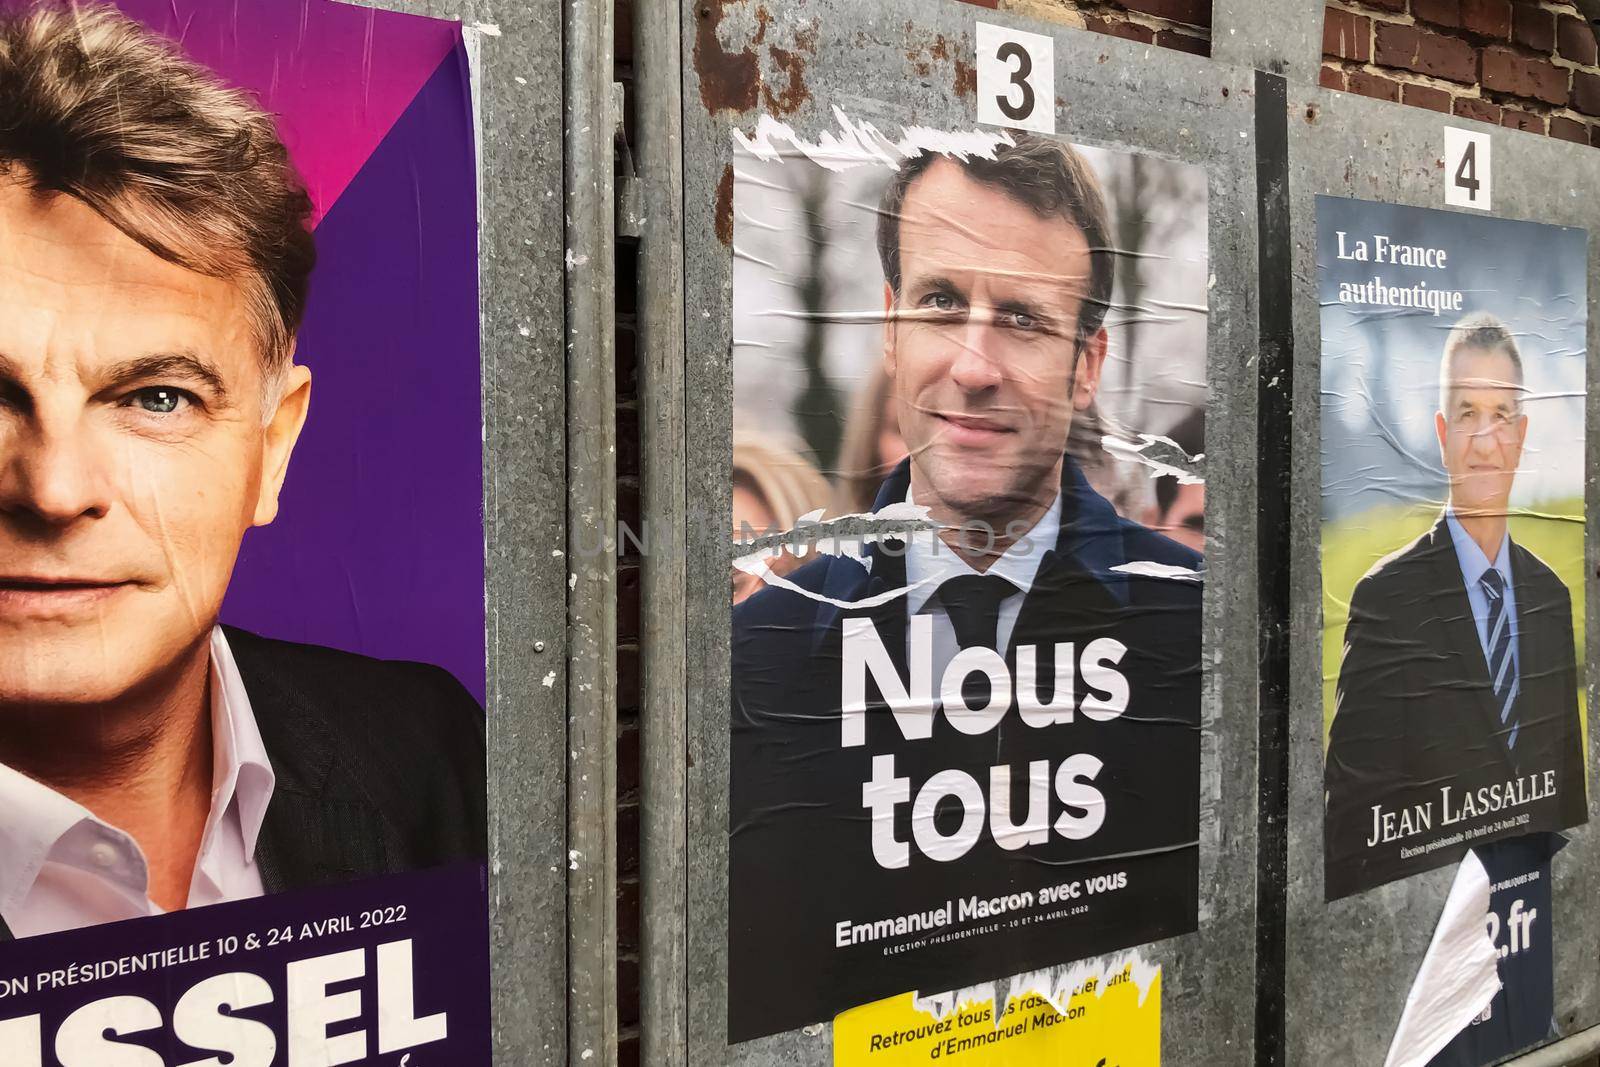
(283, 431)
(888, 330)
(1086, 376)
(1438, 431)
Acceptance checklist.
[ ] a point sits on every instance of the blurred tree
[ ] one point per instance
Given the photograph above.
(819, 409)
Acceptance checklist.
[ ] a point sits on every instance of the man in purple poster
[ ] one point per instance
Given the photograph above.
(155, 259)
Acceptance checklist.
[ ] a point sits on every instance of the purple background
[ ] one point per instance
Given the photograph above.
(378, 546)
(447, 920)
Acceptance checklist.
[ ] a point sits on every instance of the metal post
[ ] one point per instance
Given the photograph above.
(663, 725)
(1270, 35)
(589, 130)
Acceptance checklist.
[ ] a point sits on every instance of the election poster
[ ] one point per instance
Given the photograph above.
(242, 664)
(1453, 358)
(1519, 922)
(968, 504)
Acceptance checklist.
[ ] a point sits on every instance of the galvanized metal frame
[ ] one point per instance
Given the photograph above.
(1111, 93)
(517, 60)
(663, 859)
(1352, 962)
(590, 206)
(1282, 37)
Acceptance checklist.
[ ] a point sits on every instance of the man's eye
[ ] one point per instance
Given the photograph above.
(159, 400)
(939, 301)
(1024, 321)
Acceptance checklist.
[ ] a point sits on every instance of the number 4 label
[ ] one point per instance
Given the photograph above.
(1016, 78)
(1466, 168)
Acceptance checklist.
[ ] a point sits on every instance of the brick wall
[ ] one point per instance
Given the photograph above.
(1181, 24)
(1527, 64)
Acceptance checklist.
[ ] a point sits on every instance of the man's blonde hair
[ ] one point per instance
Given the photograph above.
(97, 107)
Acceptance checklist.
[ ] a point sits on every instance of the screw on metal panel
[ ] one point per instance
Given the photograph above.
(538, 646)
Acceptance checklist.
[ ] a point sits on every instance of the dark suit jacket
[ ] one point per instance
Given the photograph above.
(800, 854)
(1415, 709)
(380, 765)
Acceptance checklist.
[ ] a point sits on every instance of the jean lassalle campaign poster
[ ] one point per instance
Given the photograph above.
(969, 399)
(1453, 358)
(241, 564)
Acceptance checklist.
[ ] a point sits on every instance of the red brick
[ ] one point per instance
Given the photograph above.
(1521, 120)
(1575, 40)
(1417, 49)
(1374, 85)
(1426, 96)
(1594, 136)
(1586, 92)
(1183, 42)
(1438, 12)
(1569, 129)
(627, 596)
(1193, 12)
(1128, 31)
(628, 916)
(1347, 36)
(1504, 71)
(1534, 27)
(628, 763)
(1486, 18)
(1470, 107)
(1331, 77)
(627, 991)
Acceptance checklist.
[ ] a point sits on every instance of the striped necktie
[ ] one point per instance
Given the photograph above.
(1502, 661)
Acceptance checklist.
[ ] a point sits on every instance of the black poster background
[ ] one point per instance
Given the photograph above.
(829, 354)
(1522, 1013)
(800, 850)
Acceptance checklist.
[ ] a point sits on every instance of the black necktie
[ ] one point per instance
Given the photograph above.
(973, 603)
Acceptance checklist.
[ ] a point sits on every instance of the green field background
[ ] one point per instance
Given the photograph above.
(1350, 546)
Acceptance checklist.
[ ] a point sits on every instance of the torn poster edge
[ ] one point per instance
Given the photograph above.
(1448, 993)
(863, 145)
(1053, 984)
(1161, 454)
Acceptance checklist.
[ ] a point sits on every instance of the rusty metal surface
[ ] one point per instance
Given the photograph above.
(904, 62)
(1352, 962)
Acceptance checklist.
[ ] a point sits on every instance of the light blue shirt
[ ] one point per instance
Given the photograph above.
(1473, 565)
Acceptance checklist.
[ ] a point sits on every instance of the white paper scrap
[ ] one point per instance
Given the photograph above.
(1458, 977)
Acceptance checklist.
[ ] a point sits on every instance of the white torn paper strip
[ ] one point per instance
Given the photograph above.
(1150, 569)
(842, 536)
(1054, 984)
(861, 144)
(1161, 454)
(1458, 977)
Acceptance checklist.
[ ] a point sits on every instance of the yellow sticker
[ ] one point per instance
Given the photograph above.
(1115, 1026)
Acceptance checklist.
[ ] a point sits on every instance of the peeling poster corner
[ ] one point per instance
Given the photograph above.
(969, 373)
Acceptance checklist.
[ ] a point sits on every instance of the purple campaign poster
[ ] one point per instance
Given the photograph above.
(379, 547)
(242, 659)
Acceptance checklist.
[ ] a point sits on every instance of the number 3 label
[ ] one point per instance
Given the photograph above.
(1016, 78)
(1466, 168)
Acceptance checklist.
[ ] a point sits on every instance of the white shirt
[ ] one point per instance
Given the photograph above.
(928, 557)
(61, 868)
